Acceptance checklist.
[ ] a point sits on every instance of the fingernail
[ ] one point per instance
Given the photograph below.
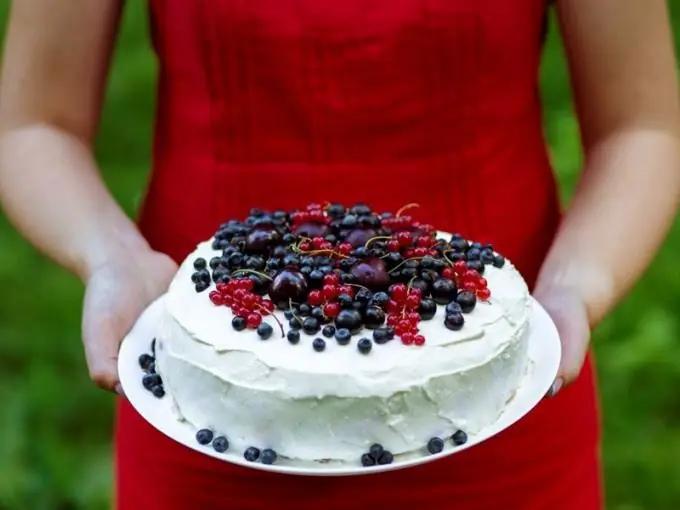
(119, 389)
(556, 387)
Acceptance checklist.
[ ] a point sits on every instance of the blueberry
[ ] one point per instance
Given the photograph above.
(328, 331)
(345, 301)
(214, 262)
(201, 286)
(195, 277)
(319, 344)
(238, 323)
(293, 336)
(363, 296)
(252, 454)
(380, 299)
(374, 317)
(454, 321)
(453, 307)
(349, 319)
(268, 456)
(427, 309)
(443, 290)
(199, 263)
(487, 256)
(317, 313)
(295, 323)
(204, 436)
(419, 283)
(289, 314)
(476, 265)
(145, 360)
(220, 444)
(459, 438)
(315, 279)
(304, 310)
(381, 335)
(367, 460)
(458, 244)
(311, 325)
(467, 301)
(498, 261)
(158, 391)
(151, 380)
(375, 451)
(473, 253)
(264, 330)
(435, 445)
(151, 369)
(386, 458)
(343, 336)
(349, 221)
(364, 345)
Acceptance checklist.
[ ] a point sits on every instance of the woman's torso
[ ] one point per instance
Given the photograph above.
(277, 104)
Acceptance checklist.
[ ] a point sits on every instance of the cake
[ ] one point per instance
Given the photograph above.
(339, 335)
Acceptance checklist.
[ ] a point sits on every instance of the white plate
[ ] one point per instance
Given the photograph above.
(544, 358)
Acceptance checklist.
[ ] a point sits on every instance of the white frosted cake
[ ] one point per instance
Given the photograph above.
(387, 338)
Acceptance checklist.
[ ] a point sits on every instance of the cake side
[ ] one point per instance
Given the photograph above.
(315, 406)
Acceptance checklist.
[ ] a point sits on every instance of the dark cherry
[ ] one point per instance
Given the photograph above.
(359, 236)
(288, 286)
(260, 240)
(371, 273)
(311, 230)
(467, 301)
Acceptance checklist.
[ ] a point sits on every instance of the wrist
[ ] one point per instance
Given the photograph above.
(584, 280)
(102, 251)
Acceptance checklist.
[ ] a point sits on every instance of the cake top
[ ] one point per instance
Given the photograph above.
(333, 276)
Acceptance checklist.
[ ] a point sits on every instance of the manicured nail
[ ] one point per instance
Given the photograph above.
(556, 387)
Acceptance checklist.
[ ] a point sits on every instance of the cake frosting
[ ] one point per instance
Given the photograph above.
(331, 406)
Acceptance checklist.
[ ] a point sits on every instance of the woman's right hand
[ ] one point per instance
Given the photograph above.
(117, 292)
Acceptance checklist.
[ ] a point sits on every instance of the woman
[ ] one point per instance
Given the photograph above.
(276, 104)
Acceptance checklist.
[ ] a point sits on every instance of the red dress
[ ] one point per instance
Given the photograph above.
(278, 103)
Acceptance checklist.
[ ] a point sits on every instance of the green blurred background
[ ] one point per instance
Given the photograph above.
(55, 427)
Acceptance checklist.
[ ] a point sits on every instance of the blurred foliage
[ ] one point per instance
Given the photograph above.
(55, 427)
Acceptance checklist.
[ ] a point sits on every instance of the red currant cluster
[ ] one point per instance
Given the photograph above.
(239, 296)
(313, 213)
(402, 313)
(318, 245)
(327, 296)
(468, 279)
(413, 246)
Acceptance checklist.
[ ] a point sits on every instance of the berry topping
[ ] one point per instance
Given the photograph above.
(385, 458)
(238, 323)
(375, 451)
(349, 319)
(364, 345)
(158, 391)
(328, 331)
(467, 301)
(367, 460)
(151, 380)
(459, 438)
(145, 361)
(383, 335)
(251, 454)
(220, 444)
(268, 456)
(293, 336)
(311, 325)
(343, 336)
(319, 344)
(435, 445)
(454, 321)
(265, 331)
(204, 436)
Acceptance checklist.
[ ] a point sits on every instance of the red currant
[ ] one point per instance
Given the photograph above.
(407, 338)
(315, 298)
(331, 279)
(393, 245)
(448, 273)
(253, 320)
(331, 310)
(216, 298)
(398, 292)
(330, 292)
(404, 238)
(412, 302)
(420, 252)
(346, 289)
(305, 246)
(484, 294)
(344, 249)
(419, 340)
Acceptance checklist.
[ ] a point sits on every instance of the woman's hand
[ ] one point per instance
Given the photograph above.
(569, 313)
(117, 292)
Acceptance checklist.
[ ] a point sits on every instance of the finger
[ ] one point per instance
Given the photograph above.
(101, 341)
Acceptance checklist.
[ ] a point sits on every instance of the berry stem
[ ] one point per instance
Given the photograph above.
(404, 262)
(446, 258)
(252, 271)
(263, 309)
(376, 238)
(406, 208)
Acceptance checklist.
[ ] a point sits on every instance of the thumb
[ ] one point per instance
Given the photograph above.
(570, 316)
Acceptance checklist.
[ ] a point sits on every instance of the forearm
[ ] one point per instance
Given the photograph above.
(52, 191)
(623, 208)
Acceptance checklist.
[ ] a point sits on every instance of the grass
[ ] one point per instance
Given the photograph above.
(55, 447)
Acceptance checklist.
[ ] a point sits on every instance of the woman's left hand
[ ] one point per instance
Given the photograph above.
(569, 313)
